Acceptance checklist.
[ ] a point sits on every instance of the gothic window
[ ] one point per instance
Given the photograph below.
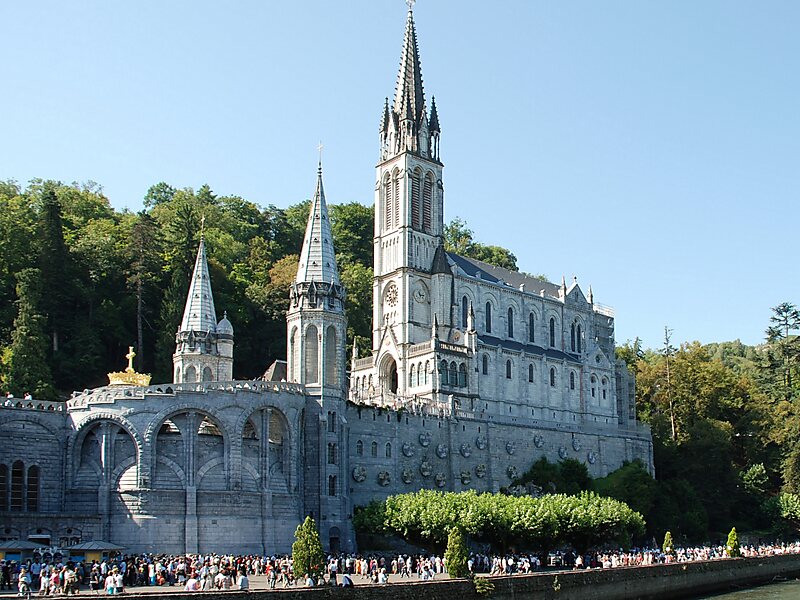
(17, 485)
(427, 204)
(552, 332)
(396, 197)
(508, 369)
(412, 374)
(594, 386)
(531, 328)
(552, 377)
(530, 373)
(359, 448)
(462, 375)
(488, 317)
(579, 338)
(294, 355)
(419, 374)
(3, 488)
(572, 337)
(443, 372)
(453, 374)
(485, 364)
(312, 355)
(374, 449)
(464, 311)
(331, 454)
(605, 387)
(572, 380)
(427, 369)
(331, 372)
(331, 485)
(191, 375)
(388, 450)
(331, 422)
(510, 322)
(207, 375)
(416, 192)
(387, 202)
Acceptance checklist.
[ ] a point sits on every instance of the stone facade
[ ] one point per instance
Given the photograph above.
(475, 373)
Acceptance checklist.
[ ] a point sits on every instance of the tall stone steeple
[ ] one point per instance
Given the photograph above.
(204, 348)
(315, 320)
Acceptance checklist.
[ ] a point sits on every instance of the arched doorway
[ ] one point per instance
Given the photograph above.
(389, 375)
(333, 540)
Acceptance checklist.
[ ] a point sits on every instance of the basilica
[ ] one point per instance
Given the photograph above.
(475, 372)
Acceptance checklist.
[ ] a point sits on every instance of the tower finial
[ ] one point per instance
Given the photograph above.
(203, 225)
(320, 146)
(410, 4)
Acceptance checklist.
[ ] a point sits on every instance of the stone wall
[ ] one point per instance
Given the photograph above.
(659, 582)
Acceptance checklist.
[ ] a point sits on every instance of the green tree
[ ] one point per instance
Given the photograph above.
(456, 555)
(785, 319)
(459, 238)
(631, 484)
(307, 555)
(24, 362)
(668, 547)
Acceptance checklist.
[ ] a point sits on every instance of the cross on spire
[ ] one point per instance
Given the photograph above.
(320, 146)
(410, 4)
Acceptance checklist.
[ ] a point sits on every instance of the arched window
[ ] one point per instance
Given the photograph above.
(331, 370)
(419, 373)
(331, 422)
(387, 201)
(488, 317)
(3, 488)
(579, 338)
(416, 193)
(462, 375)
(552, 377)
(396, 197)
(191, 375)
(572, 380)
(374, 449)
(510, 322)
(412, 376)
(312, 354)
(485, 364)
(531, 328)
(530, 373)
(427, 204)
(508, 369)
(425, 374)
(552, 332)
(388, 450)
(605, 387)
(594, 386)
(464, 311)
(32, 501)
(443, 372)
(331, 485)
(331, 454)
(359, 448)
(17, 485)
(572, 337)
(453, 374)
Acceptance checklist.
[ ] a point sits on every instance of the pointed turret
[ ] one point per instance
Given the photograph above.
(317, 258)
(409, 79)
(199, 313)
(203, 347)
(434, 126)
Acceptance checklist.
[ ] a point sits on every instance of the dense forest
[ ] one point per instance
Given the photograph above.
(80, 282)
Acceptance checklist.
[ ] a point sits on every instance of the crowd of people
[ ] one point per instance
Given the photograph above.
(195, 572)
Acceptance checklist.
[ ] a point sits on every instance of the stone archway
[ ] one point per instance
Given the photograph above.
(388, 375)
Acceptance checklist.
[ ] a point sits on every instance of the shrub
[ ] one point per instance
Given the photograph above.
(456, 555)
(307, 552)
(732, 547)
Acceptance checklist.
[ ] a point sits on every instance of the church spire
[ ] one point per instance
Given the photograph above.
(199, 314)
(409, 79)
(317, 258)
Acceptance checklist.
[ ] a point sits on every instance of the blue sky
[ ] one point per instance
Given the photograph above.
(650, 148)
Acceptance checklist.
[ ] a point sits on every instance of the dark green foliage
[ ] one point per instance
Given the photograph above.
(567, 476)
(307, 555)
(458, 238)
(456, 555)
(631, 484)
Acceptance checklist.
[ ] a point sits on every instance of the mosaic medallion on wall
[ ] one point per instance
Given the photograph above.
(538, 441)
(511, 447)
(480, 471)
(591, 457)
(425, 439)
(576, 444)
(481, 442)
(511, 471)
(441, 451)
(359, 474)
(384, 478)
(407, 475)
(466, 477)
(562, 452)
(440, 479)
(408, 450)
(465, 450)
(425, 468)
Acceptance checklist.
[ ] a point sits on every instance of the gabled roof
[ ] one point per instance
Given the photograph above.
(199, 313)
(317, 258)
(95, 545)
(490, 340)
(470, 267)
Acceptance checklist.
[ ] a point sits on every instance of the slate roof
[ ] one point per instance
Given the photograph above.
(516, 345)
(96, 546)
(199, 313)
(317, 258)
(409, 96)
(493, 274)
